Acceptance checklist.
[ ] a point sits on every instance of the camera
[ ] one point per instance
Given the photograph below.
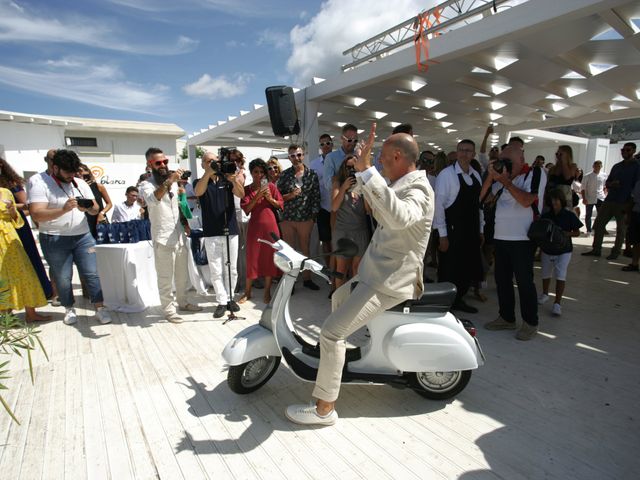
(501, 164)
(84, 202)
(185, 175)
(224, 164)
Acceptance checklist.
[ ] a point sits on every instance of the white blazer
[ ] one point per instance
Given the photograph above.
(393, 262)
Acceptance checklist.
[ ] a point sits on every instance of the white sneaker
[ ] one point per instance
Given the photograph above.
(308, 415)
(70, 316)
(55, 302)
(542, 298)
(103, 315)
(556, 310)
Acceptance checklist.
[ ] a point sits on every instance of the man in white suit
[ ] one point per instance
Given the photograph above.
(390, 271)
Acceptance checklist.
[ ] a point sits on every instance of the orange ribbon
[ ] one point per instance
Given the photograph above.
(422, 25)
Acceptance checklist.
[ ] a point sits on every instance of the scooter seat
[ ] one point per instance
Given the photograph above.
(437, 298)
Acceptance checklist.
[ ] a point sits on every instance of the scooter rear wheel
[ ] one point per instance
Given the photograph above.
(439, 385)
(250, 376)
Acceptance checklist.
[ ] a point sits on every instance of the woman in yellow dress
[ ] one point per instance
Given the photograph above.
(16, 270)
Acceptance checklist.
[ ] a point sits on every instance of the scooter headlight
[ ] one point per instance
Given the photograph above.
(282, 262)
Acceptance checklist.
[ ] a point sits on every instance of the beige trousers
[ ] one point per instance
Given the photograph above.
(351, 311)
(171, 263)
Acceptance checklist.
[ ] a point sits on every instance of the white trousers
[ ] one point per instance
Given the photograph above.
(171, 264)
(351, 310)
(216, 248)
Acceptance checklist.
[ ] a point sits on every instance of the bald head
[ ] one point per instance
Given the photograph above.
(399, 155)
(207, 158)
(405, 144)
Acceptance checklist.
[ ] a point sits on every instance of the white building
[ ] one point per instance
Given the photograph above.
(113, 149)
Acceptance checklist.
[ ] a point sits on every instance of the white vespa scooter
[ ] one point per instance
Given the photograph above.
(418, 343)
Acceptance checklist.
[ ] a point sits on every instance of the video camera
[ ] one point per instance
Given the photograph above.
(224, 164)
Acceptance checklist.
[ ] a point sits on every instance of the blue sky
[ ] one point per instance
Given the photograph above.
(189, 62)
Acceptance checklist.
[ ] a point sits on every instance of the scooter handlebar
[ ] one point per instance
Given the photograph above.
(332, 273)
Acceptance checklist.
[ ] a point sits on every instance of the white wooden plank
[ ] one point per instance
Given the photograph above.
(32, 461)
(151, 422)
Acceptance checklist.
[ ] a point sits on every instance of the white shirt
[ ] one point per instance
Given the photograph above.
(447, 189)
(317, 165)
(42, 188)
(163, 214)
(593, 186)
(512, 219)
(125, 213)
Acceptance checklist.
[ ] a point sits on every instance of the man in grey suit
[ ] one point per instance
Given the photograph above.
(390, 271)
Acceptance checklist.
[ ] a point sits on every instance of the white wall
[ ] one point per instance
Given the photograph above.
(25, 145)
(122, 147)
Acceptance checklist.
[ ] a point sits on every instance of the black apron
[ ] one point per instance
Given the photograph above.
(462, 263)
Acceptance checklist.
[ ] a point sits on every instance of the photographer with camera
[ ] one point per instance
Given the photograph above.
(519, 191)
(58, 202)
(215, 191)
(170, 246)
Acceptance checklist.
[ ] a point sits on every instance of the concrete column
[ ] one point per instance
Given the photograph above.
(193, 161)
(309, 129)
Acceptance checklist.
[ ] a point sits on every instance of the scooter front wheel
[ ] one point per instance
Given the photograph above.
(439, 385)
(249, 377)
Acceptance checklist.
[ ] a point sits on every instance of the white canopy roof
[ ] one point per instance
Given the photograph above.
(540, 64)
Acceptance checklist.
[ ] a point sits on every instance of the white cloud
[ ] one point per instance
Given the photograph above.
(82, 80)
(218, 87)
(18, 24)
(274, 38)
(318, 45)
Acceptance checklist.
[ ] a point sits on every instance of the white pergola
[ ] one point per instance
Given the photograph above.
(536, 65)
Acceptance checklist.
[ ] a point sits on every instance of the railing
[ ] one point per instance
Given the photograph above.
(451, 14)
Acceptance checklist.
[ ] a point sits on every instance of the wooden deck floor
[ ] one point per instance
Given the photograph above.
(142, 399)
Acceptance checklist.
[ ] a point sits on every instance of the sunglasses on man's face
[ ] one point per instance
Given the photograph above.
(326, 144)
(159, 163)
(350, 140)
(294, 155)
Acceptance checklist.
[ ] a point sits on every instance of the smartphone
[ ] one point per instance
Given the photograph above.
(264, 182)
(84, 202)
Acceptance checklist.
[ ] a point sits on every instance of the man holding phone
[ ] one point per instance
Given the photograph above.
(170, 246)
(58, 203)
(216, 192)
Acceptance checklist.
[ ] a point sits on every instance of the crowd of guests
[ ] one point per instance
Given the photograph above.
(484, 202)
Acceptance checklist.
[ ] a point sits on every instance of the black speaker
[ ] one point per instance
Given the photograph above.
(282, 111)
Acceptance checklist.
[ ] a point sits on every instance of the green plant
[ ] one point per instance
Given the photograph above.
(16, 337)
(185, 153)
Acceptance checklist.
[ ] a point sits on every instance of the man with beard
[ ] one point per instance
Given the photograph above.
(170, 248)
(58, 203)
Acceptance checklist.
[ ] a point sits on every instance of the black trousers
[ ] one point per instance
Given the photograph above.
(515, 258)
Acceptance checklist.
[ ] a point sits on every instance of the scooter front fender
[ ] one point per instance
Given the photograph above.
(251, 343)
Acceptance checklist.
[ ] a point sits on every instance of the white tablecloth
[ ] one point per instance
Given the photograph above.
(128, 276)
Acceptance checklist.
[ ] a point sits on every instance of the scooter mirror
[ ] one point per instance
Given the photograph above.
(346, 248)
